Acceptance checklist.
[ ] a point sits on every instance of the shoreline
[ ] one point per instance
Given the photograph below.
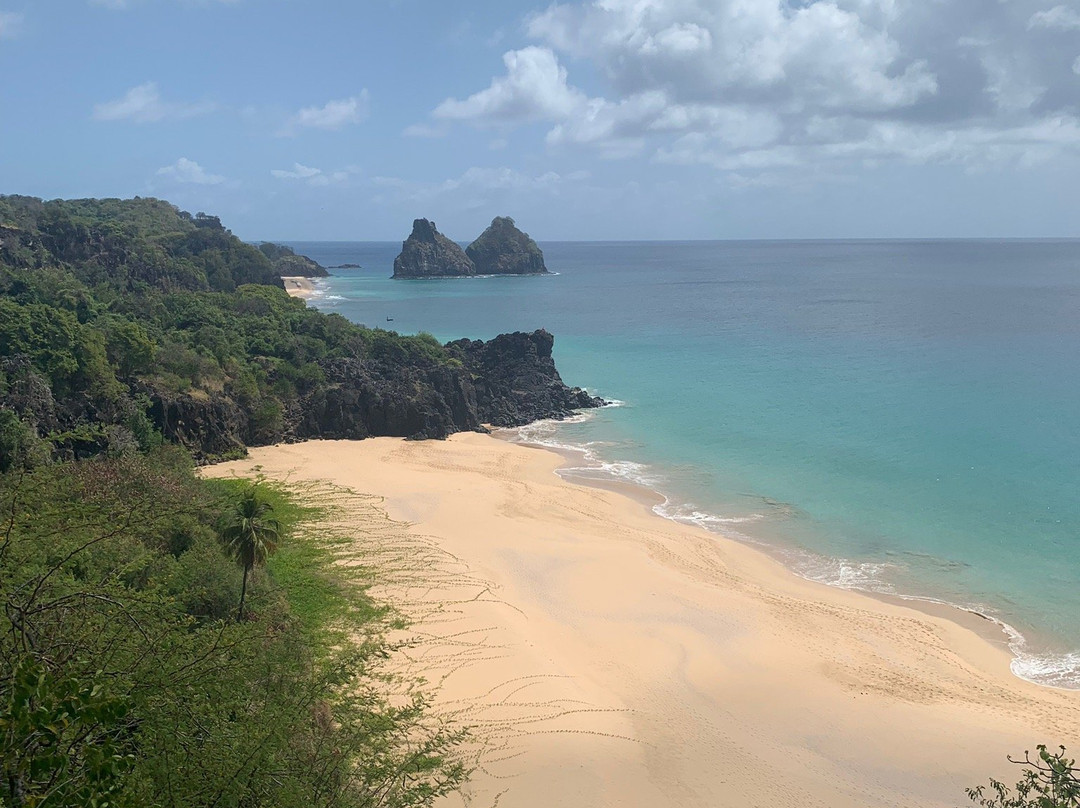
(991, 629)
(298, 286)
(609, 656)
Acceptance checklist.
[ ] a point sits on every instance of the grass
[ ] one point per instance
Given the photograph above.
(303, 570)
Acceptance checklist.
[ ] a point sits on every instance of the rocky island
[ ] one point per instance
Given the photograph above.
(427, 253)
(503, 249)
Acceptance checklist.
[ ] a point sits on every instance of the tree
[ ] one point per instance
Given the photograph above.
(19, 444)
(1050, 781)
(250, 536)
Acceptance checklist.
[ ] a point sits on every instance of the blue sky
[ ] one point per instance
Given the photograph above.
(605, 119)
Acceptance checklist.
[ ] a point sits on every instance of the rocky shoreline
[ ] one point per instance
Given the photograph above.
(510, 380)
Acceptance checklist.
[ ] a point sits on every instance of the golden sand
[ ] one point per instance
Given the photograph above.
(608, 657)
(298, 286)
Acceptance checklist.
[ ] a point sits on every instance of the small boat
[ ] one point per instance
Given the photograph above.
(389, 319)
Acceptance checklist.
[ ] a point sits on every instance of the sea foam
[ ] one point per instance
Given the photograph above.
(1058, 670)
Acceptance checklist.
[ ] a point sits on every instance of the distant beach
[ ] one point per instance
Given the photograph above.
(298, 286)
(608, 657)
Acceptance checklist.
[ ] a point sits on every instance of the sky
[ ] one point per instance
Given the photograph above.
(594, 120)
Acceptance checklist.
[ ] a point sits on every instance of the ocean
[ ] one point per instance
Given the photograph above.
(892, 416)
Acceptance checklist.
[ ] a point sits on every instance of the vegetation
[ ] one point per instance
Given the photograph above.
(126, 678)
(251, 536)
(124, 682)
(120, 318)
(1048, 781)
(123, 679)
(287, 263)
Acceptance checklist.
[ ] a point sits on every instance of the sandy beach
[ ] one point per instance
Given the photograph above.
(298, 286)
(607, 657)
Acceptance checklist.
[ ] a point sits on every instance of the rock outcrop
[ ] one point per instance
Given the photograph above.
(503, 249)
(290, 264)
(208, 427)
(507, 381)
(427, 253)
(516, 381)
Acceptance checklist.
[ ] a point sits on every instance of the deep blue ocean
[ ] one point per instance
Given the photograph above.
(896, 416)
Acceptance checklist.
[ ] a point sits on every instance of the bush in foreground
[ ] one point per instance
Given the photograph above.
(1049, 780)
(125, 680)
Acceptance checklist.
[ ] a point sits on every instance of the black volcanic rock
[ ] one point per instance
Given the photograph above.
(503, 249)
(510, 380)
(207, 427)
(516, 380)
(427, 253)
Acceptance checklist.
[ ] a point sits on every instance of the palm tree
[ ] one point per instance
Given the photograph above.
(250, 536)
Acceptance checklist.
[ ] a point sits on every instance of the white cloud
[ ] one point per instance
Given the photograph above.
(10, 24)
(144, 104)
(314, 176)
(331, 115)
(806, 87)
(818, 55)
(681, 39)
(737, 126)
(1008, 83)
(614, 127)
(732, 68)
(190, 173)
(868, 143)
(424, 130)
(1058, 18)
(502, 179)
(299, 171)
(533, 89)
(478, 183)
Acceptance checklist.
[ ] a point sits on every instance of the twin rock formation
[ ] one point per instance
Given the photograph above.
(502, 249)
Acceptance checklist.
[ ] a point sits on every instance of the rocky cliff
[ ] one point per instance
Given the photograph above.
(289, 264)
(503, 249)
(515, 379)
(507, 381)
(122, 321)
(427, 253)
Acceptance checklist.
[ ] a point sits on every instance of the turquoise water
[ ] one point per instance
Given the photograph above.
(891, 416)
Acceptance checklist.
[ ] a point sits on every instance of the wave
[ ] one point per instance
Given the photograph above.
(688, 513)
(1057, 670)
(1052, 670)
(844, 573)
